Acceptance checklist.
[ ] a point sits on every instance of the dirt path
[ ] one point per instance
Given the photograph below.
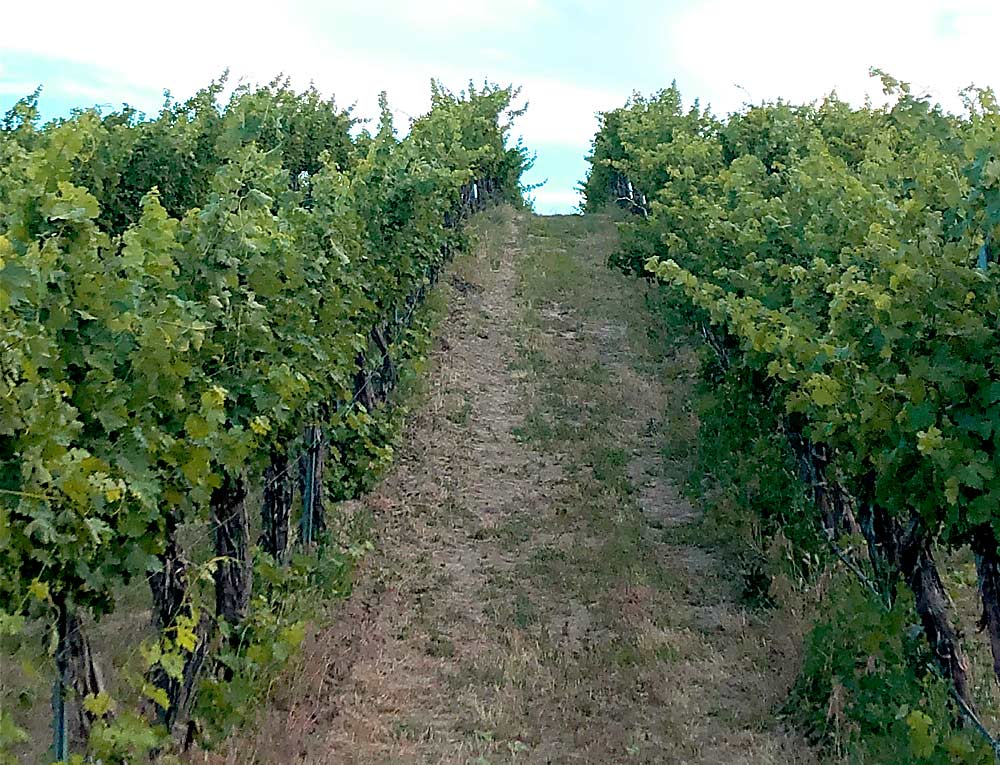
(537, 595)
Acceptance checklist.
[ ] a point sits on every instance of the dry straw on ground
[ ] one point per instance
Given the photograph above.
(534, 597)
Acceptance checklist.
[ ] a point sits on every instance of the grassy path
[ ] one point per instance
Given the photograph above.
(537, 594)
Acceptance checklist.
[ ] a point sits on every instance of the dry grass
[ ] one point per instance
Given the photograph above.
(533, 597)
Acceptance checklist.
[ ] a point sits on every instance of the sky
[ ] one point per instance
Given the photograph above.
(571, 58)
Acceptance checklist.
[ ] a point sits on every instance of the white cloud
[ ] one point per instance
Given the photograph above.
(448, 14)
(802, 51)
(153, 47)
(562, 113)
(185, 43)
(180, 45)
(552, 200)
(18, 89)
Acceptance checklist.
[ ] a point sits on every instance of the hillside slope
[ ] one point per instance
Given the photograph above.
(538, 593)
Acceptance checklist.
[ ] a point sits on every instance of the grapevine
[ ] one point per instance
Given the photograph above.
(188, 301)
(839, 263)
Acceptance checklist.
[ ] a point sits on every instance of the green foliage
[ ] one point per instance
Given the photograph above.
(182, 295)
(270, 636)
(867, 323)
(745, 477)
(831, 256)
(868, 686)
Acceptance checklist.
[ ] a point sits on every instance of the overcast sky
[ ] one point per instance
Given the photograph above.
(571, 57)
